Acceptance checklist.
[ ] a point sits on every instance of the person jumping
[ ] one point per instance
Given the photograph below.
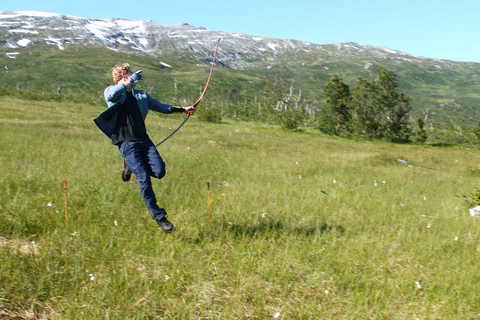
(124, 123)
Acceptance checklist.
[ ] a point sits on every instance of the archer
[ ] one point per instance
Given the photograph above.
(124, 123)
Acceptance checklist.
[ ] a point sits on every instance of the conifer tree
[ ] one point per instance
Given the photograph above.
(366, 109)
(395, 107)
(335, 116)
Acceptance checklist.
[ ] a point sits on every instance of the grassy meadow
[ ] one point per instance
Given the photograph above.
(295, 225)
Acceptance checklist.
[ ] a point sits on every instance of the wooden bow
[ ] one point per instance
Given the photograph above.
(199, 99)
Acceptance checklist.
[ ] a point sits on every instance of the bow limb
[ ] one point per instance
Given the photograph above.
(209, 76)
(201, 96)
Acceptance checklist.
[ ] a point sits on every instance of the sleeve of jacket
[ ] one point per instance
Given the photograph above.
(155, 105)
(113, 93)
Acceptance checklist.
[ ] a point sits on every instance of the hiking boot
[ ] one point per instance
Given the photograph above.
(165, 225)
(126, 173)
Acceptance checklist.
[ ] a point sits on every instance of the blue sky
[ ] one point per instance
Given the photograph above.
(442, 29)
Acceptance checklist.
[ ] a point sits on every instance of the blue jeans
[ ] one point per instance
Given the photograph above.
(144, 161)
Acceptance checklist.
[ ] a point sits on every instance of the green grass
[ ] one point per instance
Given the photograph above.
(303, 226)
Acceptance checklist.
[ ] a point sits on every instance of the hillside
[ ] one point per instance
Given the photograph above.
(46, 51)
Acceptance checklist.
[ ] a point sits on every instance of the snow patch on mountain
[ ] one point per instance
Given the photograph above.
(97, 31)
(12, 55)
(23, 31)
(23, 13)
(58, 42)
(272, 46)
(131, 26)
(23, 42)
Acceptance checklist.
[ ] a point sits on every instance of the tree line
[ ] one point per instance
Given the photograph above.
(371, 109)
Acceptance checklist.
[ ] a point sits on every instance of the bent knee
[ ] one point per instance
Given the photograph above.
(160, 174)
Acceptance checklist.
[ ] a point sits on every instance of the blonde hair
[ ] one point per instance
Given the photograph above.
(119, 71)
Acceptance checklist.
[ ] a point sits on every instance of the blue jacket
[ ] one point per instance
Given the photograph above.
(115, 97)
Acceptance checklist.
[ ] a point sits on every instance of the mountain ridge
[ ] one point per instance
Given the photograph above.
(144, 35)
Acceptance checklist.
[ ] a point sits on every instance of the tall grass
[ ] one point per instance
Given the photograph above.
(302, 226)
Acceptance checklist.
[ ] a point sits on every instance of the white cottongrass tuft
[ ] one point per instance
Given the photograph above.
(475, 211)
